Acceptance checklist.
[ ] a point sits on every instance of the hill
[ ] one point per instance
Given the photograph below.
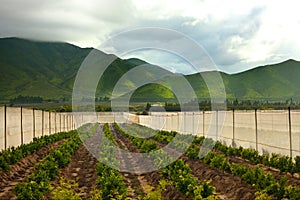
(271, 82)
(48, 70)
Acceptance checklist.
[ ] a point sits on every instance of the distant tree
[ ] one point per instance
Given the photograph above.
(26, 99)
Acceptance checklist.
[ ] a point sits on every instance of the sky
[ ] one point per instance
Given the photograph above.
(236, 35)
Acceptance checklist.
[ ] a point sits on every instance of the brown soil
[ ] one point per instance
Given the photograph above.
(292, 180)
(20, 170)
(81, 169)
(227, 185)
(145, 182)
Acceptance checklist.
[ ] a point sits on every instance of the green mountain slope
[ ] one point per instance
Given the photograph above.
(272, 81)
(48, 70)
(278, 82)
(45, 69)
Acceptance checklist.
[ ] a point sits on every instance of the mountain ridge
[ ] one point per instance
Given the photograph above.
(48, 70)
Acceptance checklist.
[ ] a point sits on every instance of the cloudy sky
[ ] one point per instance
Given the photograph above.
(237, 35)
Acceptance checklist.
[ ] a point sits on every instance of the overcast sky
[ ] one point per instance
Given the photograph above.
(237, 35)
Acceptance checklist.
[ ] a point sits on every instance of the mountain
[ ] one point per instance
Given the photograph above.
(273, 82)
(48, 70)
(34, 68)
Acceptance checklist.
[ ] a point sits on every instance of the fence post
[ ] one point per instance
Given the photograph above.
(184, 117)
(193, 123)
(178, 122)
(22, 137)
(60, 121)
(256, 133)
(49, 123)
(73, 124)
(33, 122)
(5, 132)
(203, 120)
(217, 128)
(55, 131)
(290, 133)
(233, 133)
(42, 122)
(64, 119)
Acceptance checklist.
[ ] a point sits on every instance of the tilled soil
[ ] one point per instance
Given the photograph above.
(292, 180)
(147, 182)
(81, 169)
(227, 185)
(20, 170)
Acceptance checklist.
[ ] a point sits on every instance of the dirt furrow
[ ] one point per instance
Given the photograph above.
(20, 170)
(81, 169)
(136, 184)
(292, 180)
(227, 185)
(148, 181)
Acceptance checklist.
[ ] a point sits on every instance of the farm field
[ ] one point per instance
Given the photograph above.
(65, 166)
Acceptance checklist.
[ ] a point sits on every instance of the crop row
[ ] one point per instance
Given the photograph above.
(38, 182)
(281, 162)
(110, 180)
(177, 173)
(14, 154)
(264, 183)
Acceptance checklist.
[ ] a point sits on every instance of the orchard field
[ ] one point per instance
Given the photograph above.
(65, 166)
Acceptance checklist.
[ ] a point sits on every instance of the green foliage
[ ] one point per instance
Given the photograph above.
(177, 173)
(292, 193)
(158, 193)
(48, 70)
(96, 194)
(181, 176)
(65, 190)
(193, 152)
(31, 190)
(26, 99)
(111, 182)
(14, 154)
(38, 182)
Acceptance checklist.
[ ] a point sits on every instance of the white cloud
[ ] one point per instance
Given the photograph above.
(237, 34)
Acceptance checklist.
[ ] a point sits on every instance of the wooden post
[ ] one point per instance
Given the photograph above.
(256, 132)
(60, 121)
(33, 122)
(72, 122)
(217, 128)
(22, 136)
(193, 123)
(42, 122)
(233, 133)
(55, 122)
(49, 123)
(290, 133)
(203, 121)
(5, 131)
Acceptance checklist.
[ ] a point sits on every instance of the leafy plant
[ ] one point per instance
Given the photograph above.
(65, 190)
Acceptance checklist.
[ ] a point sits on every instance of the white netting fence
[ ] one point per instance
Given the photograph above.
(267, 131)
(20, 125)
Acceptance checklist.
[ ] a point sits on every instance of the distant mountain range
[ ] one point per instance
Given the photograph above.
(48, 70)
